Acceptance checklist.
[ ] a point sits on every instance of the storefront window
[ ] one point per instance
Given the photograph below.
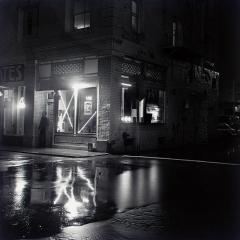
(77, 111)
(14, 109)
(128, 105)
(155, 106)
(150, 109)
(65, 112)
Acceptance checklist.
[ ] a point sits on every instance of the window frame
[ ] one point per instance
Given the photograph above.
(161, 104)
(86, 11)
(132, 117)
(34, 10)
(135, 15)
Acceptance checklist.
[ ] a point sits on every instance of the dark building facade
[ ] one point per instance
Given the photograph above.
(190, 44)
(121, 75)
(229, 90)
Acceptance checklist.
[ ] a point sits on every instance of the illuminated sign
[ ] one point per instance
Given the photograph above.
(11, 73)
(88, 108)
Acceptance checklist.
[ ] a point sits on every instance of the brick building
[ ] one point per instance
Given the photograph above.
(105, 71)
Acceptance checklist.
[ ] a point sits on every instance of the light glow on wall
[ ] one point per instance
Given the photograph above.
(126, 84)
(77, 86)
(126, 119)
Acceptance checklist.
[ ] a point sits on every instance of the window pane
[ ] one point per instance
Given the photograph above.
(155, 106)
(79, 21)
(30, 22)
(87, 107)
(65, 112)
(154, 112)
(128, 108)
(78, 6)
(14, 105)
(134, 7)
(87, 20)
(134, 23)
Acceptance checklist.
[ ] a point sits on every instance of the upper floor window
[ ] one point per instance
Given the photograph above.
(177, 34)
(135, 16)
(81, 14)
(27, 22)
(30, 21)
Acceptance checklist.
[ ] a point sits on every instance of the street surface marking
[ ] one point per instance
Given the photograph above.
(182, 160)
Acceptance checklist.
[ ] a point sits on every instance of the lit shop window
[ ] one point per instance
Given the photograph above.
(65, 112)
(81, 14)
(155, 106)
(128, 104)
(14, 109)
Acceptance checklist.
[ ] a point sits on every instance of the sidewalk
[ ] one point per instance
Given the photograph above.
(142, 223)
(55, 152)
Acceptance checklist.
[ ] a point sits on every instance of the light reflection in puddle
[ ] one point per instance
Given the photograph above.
(55, 195)
(20, 185)
(72, 194)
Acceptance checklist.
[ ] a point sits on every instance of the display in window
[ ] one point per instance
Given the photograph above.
(77, 111)
(14, 110)
(128, 104)
(88, 108)
(155, 105)
(154, 113)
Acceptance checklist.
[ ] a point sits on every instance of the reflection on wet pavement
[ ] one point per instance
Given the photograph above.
(38, 197)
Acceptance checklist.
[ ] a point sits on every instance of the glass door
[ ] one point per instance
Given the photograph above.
(77, 111)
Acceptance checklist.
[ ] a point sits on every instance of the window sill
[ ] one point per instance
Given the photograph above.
(81, 30)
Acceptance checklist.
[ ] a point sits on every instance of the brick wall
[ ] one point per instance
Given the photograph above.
(29, 75)
(103, 125)
(116, 102)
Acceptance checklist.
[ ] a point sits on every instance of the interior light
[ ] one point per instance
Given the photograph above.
(124, 76)
(77, 86)
(21, 104)
(126, 84)
(89, 98)
(1, 94)
(126, 119)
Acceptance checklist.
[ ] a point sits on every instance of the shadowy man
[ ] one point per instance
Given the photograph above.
(43, 126)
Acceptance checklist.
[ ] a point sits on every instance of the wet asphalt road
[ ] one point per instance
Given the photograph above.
(40, 195)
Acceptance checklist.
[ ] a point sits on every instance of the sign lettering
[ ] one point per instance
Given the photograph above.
(11, 73)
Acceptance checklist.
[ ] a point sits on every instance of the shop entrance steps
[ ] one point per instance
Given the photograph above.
(79, 146)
